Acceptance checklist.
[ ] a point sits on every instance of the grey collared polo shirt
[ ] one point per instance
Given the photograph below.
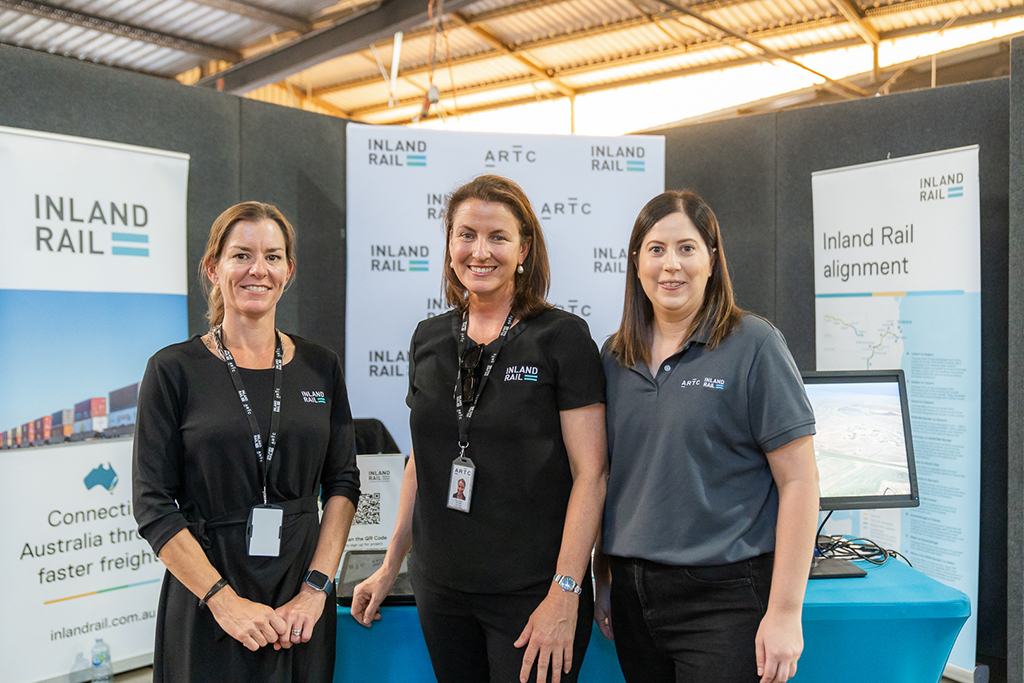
(690, 482)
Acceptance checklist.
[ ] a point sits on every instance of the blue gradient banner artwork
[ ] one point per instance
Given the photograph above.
(95, 285)
(898, 285)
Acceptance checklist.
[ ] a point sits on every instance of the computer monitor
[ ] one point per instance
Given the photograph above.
(863, 447)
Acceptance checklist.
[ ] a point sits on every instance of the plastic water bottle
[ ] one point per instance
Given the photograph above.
(102, 669)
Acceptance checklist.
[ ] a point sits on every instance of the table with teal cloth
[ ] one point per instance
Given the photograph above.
(895, 624)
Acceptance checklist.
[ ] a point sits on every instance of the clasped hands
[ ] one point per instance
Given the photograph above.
(256, 625)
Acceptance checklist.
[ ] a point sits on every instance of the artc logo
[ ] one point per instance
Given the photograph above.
(515, 155)
(60, 234)
(571, 206)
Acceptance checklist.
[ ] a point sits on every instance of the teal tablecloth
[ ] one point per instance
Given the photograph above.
(895, 624)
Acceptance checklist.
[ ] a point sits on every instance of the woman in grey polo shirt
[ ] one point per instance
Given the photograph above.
(713, 494)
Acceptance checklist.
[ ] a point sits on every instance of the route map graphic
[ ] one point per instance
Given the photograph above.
(867, 329)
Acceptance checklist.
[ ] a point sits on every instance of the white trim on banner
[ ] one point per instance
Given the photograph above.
(897, 258)
(586, 191)
(93, 143)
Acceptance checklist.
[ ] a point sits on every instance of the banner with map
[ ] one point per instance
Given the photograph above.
(94, 283)
(897, 280)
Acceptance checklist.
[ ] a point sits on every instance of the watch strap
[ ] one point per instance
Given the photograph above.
(318, 580)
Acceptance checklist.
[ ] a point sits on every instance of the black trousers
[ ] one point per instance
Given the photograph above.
(678, 624)
(469, 636)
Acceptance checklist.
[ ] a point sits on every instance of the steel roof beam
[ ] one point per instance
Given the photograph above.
(502, 47)
(136, 33)
(266, 16)
(354, 33)
(852, 14)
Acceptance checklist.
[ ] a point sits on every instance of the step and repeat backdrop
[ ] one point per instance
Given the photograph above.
(897, 258)
(93, 283)
(586, 191)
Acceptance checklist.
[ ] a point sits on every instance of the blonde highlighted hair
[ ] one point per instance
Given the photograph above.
(219, 233)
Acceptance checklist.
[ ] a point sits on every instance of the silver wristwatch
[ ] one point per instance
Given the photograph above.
(567, 584)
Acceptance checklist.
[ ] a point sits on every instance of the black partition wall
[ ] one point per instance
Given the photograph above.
(755, 173)
(240, 150)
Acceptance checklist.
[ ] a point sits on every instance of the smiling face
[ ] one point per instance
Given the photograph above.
(253, 268)
(673, 265)
(486, 249)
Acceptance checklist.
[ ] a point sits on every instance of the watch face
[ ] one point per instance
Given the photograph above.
(567, 584)
(317, 580)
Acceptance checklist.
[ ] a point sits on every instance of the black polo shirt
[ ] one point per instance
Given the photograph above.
(511, 537)
(690, 483)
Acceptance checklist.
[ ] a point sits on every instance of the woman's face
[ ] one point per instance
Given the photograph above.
(674, 265)
(252, 269)
(486, 248)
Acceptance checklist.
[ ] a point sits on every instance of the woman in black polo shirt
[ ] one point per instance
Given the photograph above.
(713, 491)
(506, 394)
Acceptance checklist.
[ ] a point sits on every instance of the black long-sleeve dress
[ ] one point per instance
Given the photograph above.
(195, 467)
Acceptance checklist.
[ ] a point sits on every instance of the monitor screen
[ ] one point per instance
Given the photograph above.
(863, 444)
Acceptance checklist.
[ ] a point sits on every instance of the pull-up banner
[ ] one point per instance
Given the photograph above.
(897, 279)
(586, 191)
(93, 282)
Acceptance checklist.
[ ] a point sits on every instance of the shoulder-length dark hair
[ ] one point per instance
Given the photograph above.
(531, 286)
(219, 233)
(719, 312)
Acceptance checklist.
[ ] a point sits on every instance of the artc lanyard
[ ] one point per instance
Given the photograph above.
(464, 419)
(275, 416)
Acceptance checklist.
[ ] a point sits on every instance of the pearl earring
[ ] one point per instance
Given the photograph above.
(520, 269)
(453, 264)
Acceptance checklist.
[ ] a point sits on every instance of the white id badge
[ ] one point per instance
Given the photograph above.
(460, 488)
(263, 534)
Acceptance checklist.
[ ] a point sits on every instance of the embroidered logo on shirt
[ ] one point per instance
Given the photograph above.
(521, 373)
(313, 396)
(707, 383)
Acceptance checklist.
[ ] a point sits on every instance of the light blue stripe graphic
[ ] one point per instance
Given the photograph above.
(955, 194)
(937, 292)
(840, 296)
(419, 263)
(128, 237)
(420, 157)
(416, 163)
(128, 251)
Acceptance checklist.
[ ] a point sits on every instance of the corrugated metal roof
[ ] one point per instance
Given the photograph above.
(501, 50)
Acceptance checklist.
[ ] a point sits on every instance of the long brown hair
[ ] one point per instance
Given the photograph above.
(531, 286)
(219, 232)
(632, 342)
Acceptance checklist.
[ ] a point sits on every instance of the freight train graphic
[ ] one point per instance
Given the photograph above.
(94, 418)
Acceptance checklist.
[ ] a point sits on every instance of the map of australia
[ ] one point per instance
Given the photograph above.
(859, 333)
(102, 476)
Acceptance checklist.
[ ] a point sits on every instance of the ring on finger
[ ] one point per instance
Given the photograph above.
(296, 632)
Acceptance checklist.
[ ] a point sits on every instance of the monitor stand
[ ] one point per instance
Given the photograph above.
(831, 568)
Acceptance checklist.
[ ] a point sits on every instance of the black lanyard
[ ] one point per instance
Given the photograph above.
(465, 419)
(275, 416)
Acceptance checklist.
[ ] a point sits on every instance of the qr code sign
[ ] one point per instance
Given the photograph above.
(368, 511)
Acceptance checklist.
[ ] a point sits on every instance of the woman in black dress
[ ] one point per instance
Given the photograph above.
(515, 385)
(245, 426)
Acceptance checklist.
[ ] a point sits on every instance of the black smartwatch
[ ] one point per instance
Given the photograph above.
(319, 581)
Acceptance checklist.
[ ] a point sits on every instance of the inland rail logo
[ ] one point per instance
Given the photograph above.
(396, 152)
(609, 260)
(617, 158)
(515, 155)
(63, 228)
(521, 373)
(949, 186)
(388, 363)
(313, 397)
(399, 259)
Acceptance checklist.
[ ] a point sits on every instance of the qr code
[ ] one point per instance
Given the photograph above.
(368, 511)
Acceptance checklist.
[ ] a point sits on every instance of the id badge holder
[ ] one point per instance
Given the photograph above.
(460, 487)
(263, 532)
